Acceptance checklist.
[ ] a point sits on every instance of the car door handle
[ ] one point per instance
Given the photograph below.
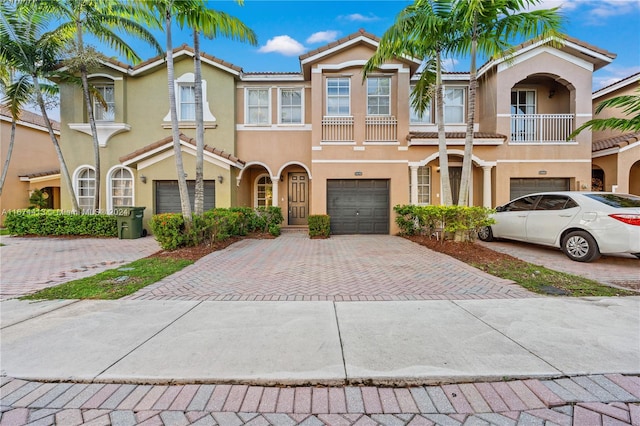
(566, 215)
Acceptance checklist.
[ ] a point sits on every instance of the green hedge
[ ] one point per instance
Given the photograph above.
(459, 222)
(319, 225)
(214, 225)
(58, 222)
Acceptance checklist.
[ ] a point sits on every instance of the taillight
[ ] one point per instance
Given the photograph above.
(631, 219)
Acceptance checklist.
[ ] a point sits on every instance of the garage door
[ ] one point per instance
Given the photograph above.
(168, 195)
(524, 186)
(358, 206)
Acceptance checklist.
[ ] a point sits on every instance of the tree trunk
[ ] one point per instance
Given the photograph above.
(182, 181)
(92, 121)
(63, 165)
(442, 137)
(9, 152)
(199, 192)
(463, 198)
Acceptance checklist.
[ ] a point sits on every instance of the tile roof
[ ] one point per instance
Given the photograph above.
(190, 49)
(183, 138)
(629, 78)
(454, 135)
(29, 117)
(615, 142)
(345, 39)
(41, 174)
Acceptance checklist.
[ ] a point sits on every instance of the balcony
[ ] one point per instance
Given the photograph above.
(337, 129)
(541, 128)
(381, 129)
(377, 129)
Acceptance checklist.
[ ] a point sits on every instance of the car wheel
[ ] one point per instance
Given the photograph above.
(580, 246)
(485, 233)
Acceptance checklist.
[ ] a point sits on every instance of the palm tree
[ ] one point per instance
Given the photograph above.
(488, 27)
(33, 53)
(631, 107)
(99, 18)
(211, 23)
(423, 30)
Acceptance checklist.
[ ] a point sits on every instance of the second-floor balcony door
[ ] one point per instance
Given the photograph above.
(298, 198)
(523, 124)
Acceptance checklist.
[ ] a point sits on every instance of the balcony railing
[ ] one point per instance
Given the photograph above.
(381, 129)
(541, 128)
(337, 129)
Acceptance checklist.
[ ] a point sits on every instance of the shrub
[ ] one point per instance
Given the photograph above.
(319, 225)
(168, 229)
(459, 222)
(269, 217)
(58, 222)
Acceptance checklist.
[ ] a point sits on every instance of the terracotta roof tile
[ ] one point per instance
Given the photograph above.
(41, 174)
(190, 49)
(615, 142)
(454, 135)
(333, 44)
(629, 78)
(183, 138)
(29, 117)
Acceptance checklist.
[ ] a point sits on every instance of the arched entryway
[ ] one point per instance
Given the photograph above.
(634, 178)
(298, 190)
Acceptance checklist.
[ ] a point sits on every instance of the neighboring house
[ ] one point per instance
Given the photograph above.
(616, 155)
(325, 140)
(33, 165)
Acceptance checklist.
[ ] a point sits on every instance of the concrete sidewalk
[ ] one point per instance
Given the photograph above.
(329, 343)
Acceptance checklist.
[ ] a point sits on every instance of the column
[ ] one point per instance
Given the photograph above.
(486, 186)
(275, 181)
(413, 184)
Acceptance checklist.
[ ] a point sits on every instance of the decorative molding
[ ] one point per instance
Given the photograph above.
(105, 130)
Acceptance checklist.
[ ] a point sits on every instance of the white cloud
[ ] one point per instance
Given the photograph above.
(357, 17)
(284, 45)
(449, 64)
(612, 74)
(565, 5)
(323, 37)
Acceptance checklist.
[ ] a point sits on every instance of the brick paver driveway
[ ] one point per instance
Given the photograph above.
(346, 267)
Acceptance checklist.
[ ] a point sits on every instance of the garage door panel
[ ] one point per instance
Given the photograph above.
(168, 196)
(358, 206)
(523, 186)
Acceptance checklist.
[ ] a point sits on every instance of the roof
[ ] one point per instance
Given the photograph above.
(184, 138)
(454, 135)
(633, 78)
(189, 49)
(41, 174)
(615, 142)
(29, 117)
(360, 33)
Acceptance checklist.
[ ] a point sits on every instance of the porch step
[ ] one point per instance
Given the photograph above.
(302, 229)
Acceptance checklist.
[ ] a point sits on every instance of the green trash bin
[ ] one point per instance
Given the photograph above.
(129, 221)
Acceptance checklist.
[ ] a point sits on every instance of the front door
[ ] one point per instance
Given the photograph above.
(298, 198)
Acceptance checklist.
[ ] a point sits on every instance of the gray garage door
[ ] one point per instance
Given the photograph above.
(524, 186)
(358, 206)
(168, 195)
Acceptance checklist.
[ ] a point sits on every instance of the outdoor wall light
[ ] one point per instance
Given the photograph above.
(143, 179)
(220, 178)
(542, 172)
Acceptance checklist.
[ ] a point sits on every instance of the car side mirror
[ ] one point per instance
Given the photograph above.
(500, 208)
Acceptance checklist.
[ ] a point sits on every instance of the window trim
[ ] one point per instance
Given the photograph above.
(348, 79)
(179, 102)
(76, 185)
(209, 118)
(256, 199)
(535, 100)
(96, 104)
(302, 119)
(246, 106)
(110, 174)
(379, 77)
(464, 89)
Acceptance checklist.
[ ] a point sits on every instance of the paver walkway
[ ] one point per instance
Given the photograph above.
(584, 400)
(341, 268)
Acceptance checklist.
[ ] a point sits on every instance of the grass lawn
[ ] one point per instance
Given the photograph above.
(114, 283)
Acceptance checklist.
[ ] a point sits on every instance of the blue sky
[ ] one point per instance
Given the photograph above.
(286, 29)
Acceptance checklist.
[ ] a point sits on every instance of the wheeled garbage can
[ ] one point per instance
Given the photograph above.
(129, 220)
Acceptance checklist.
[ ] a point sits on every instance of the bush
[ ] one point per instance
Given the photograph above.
(459, 222)
(168, 229)
(58, 222)
(319, 225)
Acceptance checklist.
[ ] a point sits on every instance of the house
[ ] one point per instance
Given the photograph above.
(33, 165)
(616, 155)
(327, 140)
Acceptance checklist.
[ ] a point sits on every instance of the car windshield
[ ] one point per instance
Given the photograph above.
(616, 200)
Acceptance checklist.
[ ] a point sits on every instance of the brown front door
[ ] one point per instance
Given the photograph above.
(298, 198)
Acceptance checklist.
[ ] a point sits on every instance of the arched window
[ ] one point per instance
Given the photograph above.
(85, 183)
(264, 191)
(120, 188)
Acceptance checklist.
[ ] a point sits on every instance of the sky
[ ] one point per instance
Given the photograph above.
(288, 28)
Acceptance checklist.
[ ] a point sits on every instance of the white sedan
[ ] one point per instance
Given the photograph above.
(583, 224)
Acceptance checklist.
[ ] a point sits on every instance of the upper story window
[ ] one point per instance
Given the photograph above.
(186, 102)
(258, 106)
(523, 102)
(338, 96)
(291, 106)
(100, 113)
(378, 96)
(415, 117)
(454, 105)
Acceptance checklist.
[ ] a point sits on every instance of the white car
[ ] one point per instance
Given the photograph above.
(583, 224)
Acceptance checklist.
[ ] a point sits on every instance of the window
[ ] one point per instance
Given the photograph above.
(416, 117)
(187, 102)
(264, 191)
(85, 187)
(291, 106)
(555, 202)
(521, 204)
(257, 106)
(424, 185)
(338, 96)
(454, 105)
(523, 102)
(379, 96)
(121, 188)
(100, 113)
